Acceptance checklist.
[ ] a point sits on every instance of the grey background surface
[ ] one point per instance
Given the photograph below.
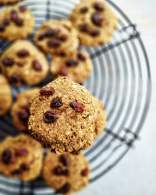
(136, 173)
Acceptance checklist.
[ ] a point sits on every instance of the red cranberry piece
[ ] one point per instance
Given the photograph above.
(48, 33)
(23, 115)
(6, 22)
(54, 43)
(98, 6)
(78, 107)
(24, 167)
(6, 156)
(94, 32)
(83, 10)
(15, 18)
(63, 37)
(64, 159)
(22, 9)
(49, 117)
(15, 79)
(84, 27)
(56, 102)
(21, 152)
(71, 63)
(8, 62)
(63, 72)
(85, 172)
(36, 65)
(19, 22)
(59, 171)
(46, 91)
(23, 53)
(2, 28)
(97, 19)
(64, 189)
(81, 57)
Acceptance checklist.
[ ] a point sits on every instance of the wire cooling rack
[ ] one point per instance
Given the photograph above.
(121, 78)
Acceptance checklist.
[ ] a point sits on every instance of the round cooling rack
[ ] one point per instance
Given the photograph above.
(121, 78)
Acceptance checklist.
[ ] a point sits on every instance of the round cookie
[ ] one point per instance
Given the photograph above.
(78, 66)
(63, 116)
(22, 63)
(66, 173)
(94, 21)
(8, 2)
(16, 22)
(21, 157)
(57, 37)
(20, 109)
(5, 96)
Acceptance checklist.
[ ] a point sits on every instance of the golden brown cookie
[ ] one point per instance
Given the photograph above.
(9, 2)
(94, 21)
(57, 37)
(66, 173)
(16, 22)
(22, 63)
(63, 116)
(77, 66)
(21, 157)
(20, 110)
(5, 96)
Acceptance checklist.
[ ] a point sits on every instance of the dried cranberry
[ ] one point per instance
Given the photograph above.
(71, 63)
(81, 56)
(24, 167)
(20, 64)
(21, 152)
(36, 65)
(23, 53)
(22, 9)
(63, 72)
(59, 171)
(2, 28)
(15, 79)
(56, 102)
(97, 19)
(63, 37)
(64, 159)
(54, 43)
(46, 91)
(94, 32)
(8, 62)
(49, 117)
(48, 33)
(64, 189)
(83, 10)
(84, 27)
(78, 107)
(6, 22)
(23, 115)
(19, 22)
(85, 172)
(15, 18)
(6, 156)
(98, 6)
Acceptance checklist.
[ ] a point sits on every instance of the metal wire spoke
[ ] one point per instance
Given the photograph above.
(121, 79)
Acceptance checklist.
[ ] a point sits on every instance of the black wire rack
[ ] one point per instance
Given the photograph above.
(121, 78)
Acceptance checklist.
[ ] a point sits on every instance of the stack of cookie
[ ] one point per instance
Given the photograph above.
(62, 115)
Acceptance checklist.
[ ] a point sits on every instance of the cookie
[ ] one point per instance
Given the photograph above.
(9, 2)
(57, 37)
(5, 96)
(20, 109)
(22, 63)
(78, 66)
(63, 116)
(16, 22)
(66, 173)
(21, 157)
(94, 21)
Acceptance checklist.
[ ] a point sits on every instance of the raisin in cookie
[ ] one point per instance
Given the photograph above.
(22, 62)
(63, 116)
(21, 157)
(57, 36)
(95, 22)
(77, 66)
(20, 109)
(5, 96)
(16, 22)
(9, 2)
(66, 173)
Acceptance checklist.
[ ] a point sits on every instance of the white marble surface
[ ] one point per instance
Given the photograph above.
(136, 173)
